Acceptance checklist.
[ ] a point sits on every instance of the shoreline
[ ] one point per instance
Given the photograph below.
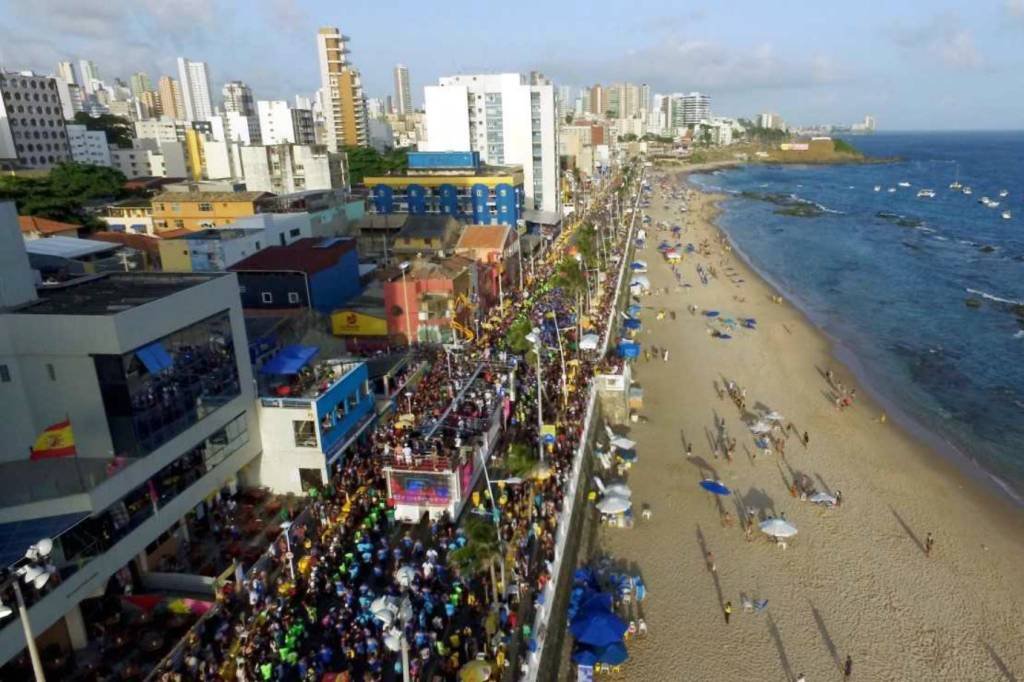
(856, 580)
(945, 448)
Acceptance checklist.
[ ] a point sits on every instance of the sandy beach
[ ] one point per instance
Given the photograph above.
(856, 580)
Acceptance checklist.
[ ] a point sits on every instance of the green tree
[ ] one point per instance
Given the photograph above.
(119, 130)
(568, 119)
(482, 549)
(521, 459)
(64, 193)
(515, 339)
(364, 161)
(844, 147)
(569, 276)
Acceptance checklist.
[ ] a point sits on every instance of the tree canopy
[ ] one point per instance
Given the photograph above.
(64, 192)
(363, 161)
(119, 130)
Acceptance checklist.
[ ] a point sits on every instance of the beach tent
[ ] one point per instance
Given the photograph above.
(629, 350)
(760, 427)
(778, 528)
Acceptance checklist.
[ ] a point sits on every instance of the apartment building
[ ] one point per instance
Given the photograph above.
(32, 132)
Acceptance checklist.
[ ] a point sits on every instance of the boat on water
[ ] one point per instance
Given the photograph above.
(878, 188)
(1007, 215)
(891, 189)
(955, 185)
(989, 203)
(904, 183)
(925, 193)
(968, 191)
(1004, 193)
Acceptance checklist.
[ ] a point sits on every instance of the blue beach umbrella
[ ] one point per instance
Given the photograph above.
(598, 628)
(633, 310)
(637, 265)
(716, 487)
(632, 323)
(710, 313)
(627, 455)
(584, 655)
(613, 654)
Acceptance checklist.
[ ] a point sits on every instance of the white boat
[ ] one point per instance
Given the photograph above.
(988, 203)
(925, 193)
(903, 184)
(1007, 215)
(1004, 193)
(892, 189)
(967, 191)
(878, 188)
(956, 182)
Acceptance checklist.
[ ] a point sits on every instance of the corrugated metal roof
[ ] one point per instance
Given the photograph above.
(68, 247)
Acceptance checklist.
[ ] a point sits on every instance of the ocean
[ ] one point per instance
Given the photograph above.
(925, 296)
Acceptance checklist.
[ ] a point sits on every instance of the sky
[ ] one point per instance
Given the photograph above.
(913, 64)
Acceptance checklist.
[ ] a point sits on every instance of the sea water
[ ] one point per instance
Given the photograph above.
(927, 294)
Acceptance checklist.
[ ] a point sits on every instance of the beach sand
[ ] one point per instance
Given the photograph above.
(856, 580)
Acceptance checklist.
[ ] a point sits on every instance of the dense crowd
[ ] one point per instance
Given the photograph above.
(357, 587)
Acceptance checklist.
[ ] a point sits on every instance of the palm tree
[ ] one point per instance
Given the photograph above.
(482, 548)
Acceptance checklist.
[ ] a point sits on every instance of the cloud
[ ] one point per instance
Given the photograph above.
(676, 64)
(941, 38)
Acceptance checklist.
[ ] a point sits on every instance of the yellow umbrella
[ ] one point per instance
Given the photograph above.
(475, 671)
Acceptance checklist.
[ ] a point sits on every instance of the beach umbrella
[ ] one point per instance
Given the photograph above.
(627, 455)
(584, 656)
(590, 342)
(613, 505)
(475, 671)
(633, 310)
(822, 498)
(778, 528)
(597, 601)
(619, 490)
(710, 313)
(623, 443)
(760, 427)
(613, 654)
(598, 628)
(774, 416)
(640, 281)
(405, 575)
(632, 323)
(638, 265)
(716, 487)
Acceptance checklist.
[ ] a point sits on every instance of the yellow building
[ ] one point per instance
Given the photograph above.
(194, 158)
(344, 103)
(200, 210)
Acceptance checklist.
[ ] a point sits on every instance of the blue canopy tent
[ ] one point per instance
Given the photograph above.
(632, 323)
(629, 350)
(598, 628)
(290, 360)
(154, 357)
(584, 655)
(613, 654)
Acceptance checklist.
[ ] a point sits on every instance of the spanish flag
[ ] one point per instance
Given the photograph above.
(56, 441)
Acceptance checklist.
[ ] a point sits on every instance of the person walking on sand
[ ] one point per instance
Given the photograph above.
(807, 439)
(929, 542)
(727, 610)
(711, 562)
(848, 668)
(689, 449)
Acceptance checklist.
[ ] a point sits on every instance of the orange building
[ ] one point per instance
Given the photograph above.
(202, 210)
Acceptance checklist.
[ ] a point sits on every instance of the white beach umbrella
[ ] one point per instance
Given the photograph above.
(613, 505)
(589, 342)
(760, 427)
(618, 490)
(778, 528)
(774, 416)
(623, 443)
(640, 281)
(822, 498)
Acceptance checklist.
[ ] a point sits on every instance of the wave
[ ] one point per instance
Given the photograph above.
(993, 297)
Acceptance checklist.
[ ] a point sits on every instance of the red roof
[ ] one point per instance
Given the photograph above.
(139, 242)
(31, 223)
(309, 255)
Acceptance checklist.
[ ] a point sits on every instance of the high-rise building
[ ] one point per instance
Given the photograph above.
(287, 168)
(140, 83)
(344, 105)
(645, 98)
(564, 101)
(37, 141)
(66, 71)
(276, 124)
(195, 89)
(375, 108)
(598, 101)
(509, 118)
(696, 108)
(90, 76)
(70, 96)
(403, 93)
(238, 98)
(171, 100)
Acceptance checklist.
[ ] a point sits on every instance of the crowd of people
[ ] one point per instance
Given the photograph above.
(347, 588)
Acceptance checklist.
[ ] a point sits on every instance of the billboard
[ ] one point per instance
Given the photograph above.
(413, 487)
(351, 323)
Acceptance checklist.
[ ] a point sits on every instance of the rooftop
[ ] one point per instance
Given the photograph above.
(483, 171)
(210, 234)
(68, 247)
(308, 255)
(211, 197)
(139, 242)
(31, 223)
(111, 293)
(427, 226)
(484, 237)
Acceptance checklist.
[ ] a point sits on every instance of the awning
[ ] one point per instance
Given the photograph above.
(290, 359)
(155, 357)
(16, 537)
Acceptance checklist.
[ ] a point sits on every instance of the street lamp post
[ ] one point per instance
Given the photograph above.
(38, 575)
(534, 338)
(286, 527)
(403, 266)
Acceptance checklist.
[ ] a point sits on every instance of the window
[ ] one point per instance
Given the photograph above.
(5, 374)
(305, 433)
(293, 297)
(203, 206)
(266, 297)
(295, 233)
(179, 224)
(51, 372)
